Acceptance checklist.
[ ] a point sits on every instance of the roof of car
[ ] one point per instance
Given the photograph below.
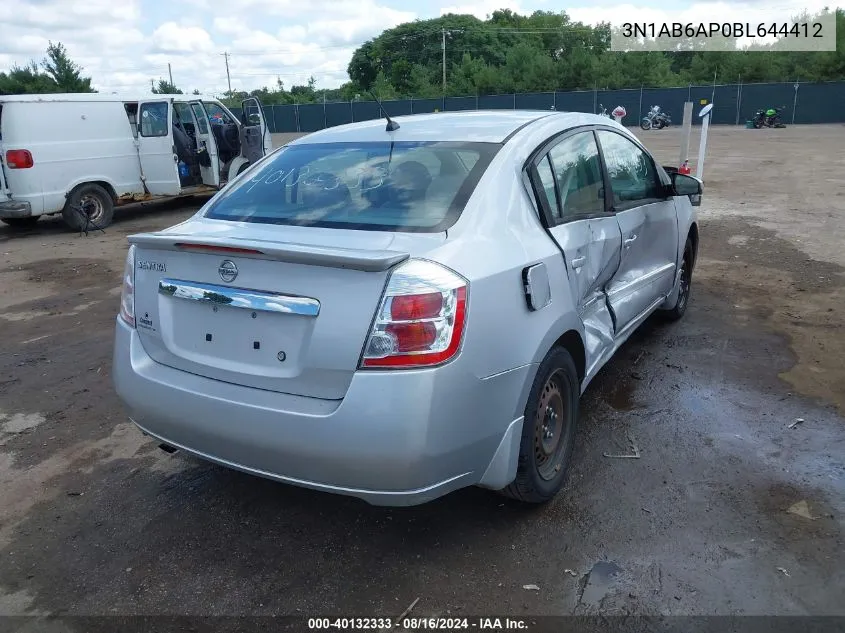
(98, 96)
(483, 126)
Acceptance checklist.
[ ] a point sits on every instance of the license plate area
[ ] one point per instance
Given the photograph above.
(233, 334)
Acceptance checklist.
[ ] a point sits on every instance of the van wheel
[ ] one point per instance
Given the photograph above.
(20, 223)
(548, 431)
(88, 206)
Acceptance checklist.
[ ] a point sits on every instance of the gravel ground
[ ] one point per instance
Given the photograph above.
(727, 511)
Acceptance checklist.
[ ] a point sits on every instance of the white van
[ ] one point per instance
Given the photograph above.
(83, 154)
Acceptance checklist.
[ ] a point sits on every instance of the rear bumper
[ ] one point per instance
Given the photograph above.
(15, 209)
(397, 438)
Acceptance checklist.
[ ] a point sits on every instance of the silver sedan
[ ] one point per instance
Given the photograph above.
(395, 311)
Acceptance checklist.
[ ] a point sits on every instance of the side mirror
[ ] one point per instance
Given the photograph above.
(683, 185)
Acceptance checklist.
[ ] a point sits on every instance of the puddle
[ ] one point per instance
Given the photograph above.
(599, 581)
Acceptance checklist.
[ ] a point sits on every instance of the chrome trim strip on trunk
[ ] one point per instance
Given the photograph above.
(239, 297)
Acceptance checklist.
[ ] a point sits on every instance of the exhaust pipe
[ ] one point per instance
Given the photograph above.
(167, 448)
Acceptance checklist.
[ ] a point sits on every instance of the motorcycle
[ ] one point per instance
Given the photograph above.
(768, 118)
(655, 119)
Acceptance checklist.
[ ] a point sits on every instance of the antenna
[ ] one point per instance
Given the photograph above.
(392, 125)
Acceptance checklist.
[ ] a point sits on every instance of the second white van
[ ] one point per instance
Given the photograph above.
(82, 155)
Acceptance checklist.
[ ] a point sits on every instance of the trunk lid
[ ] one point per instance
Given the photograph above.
(284, 308)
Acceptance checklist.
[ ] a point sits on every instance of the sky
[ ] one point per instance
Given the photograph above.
(123, 44)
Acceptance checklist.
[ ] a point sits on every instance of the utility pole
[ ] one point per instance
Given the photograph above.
(444, 61)
(228, 78)
(170, 73)
(152, 85)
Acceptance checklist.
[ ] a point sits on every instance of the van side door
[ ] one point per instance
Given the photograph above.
(206, 143)
(255, 134)
(159, 163)
(569, 183)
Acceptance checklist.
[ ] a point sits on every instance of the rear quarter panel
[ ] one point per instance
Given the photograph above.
(497, 236)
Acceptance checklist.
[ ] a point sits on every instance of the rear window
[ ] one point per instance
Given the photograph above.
(401, 186)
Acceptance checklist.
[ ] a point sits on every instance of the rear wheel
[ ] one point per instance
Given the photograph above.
(548, 430)
(20, 223)
(645, 124)
(88, 207)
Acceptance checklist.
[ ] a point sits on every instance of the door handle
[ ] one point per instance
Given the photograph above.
(630, 240)
(577, 262)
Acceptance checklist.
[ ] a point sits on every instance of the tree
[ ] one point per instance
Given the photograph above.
(56, 73)
(26, 80)
(164, 87)
(66, 74)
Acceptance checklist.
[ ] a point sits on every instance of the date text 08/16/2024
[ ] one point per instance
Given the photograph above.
(418, 624)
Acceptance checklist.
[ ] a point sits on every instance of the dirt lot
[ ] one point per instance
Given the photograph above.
(728, 511)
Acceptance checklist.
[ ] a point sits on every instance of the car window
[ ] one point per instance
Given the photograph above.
(201, 120)
(632, 173)
(577, 169)
(183, 112)
(547, 181)
(385, 186)
(216, 114)
(154, 119)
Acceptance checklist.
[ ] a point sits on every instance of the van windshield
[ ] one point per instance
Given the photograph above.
(383, 186)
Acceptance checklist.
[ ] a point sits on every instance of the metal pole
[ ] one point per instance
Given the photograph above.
(412, 105)
(514, 101)
(795, 101)
(686, 131)
(554, 100)
(713, 94)
(351, 111)
(228, 77)
(296, 114)
(640, 113)
(325, 119)
(595, 98)
(170, 73)
(444, 61)
(738, 98)
(702, 148)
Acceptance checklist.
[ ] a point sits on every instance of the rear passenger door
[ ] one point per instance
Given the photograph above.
(645, 212)
(568, 180)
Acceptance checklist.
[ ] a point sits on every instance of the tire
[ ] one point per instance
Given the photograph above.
(758, 124)
(20, 223)
(645, 124)
(686, 285)
(544, 452)
(88, 199)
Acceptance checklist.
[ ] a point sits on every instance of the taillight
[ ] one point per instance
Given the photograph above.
(19, 159)
(127, 293)
(420, 321)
